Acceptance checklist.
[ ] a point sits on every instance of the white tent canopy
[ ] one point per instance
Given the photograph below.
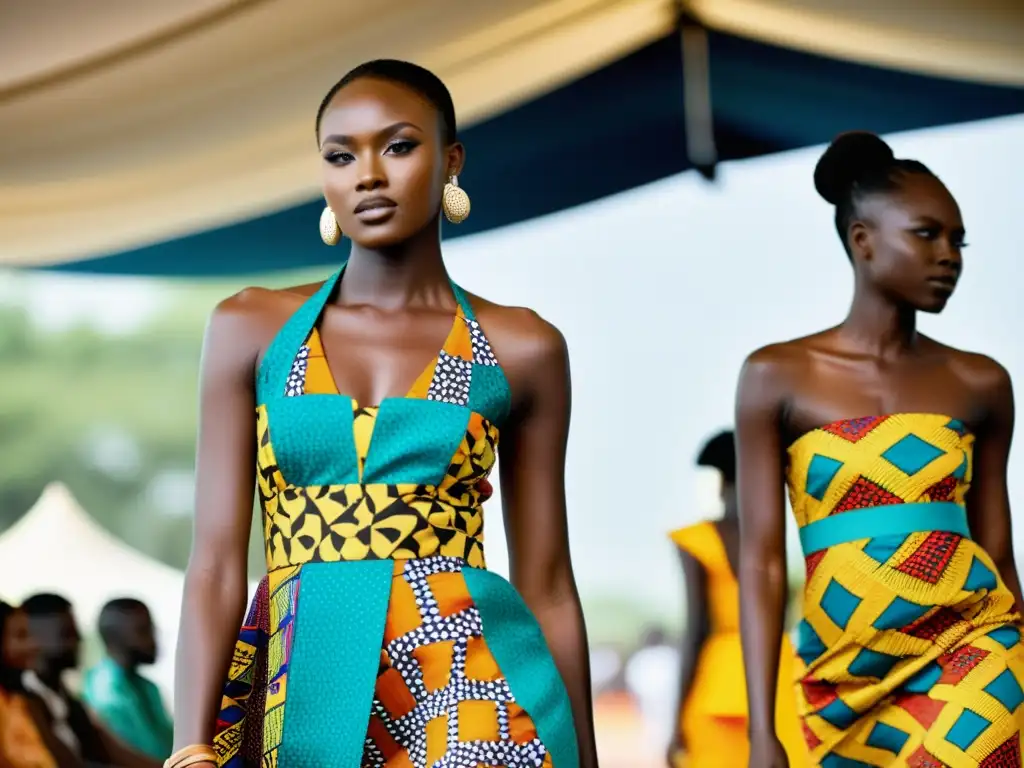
(126, 123)
(57, 547)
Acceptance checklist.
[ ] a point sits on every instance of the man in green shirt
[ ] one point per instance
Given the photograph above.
(125, 701)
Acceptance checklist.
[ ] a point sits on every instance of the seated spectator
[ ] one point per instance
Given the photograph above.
(21, 743)
(125, 701)
(81, 738)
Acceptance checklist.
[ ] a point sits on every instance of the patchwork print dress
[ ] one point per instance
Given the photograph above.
(911, 640)
(377, 637)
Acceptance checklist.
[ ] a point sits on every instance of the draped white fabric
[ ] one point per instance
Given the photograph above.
(127, 122)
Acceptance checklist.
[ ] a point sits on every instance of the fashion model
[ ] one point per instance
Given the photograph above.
(894, 449)
(369, 410)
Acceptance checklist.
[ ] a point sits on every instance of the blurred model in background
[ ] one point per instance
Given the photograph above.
(711, 726)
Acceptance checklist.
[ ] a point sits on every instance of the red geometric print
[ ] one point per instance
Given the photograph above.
(922, 758)
(818, 693)
(812, 740)
(864, 494)
(929, 561)
(854, 429)
(942, 490)
(920, 707)
(813, 561)
(958, 664)
(1007, 754)
(931, 626)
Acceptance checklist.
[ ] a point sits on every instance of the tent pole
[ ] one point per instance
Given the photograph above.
(697, 108)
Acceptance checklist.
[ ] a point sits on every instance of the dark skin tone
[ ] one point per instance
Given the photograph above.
(906, 251)
(59, 645)
(20, 648)
(698, 621)
(134, 642)
(391, 314)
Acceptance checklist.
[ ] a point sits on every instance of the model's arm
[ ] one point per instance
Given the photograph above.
(215, 583)
(694, 637)
(988, 503)
(762, 567)
(532, 469)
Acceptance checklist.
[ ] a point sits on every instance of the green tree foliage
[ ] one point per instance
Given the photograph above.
(109, 416)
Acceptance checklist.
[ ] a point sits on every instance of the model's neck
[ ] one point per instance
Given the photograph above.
(878, 327)
(391, 279)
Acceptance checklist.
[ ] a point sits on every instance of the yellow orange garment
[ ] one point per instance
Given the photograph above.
(714, 718)
(21, 745)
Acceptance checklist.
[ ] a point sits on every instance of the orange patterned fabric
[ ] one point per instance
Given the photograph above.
(432, 624)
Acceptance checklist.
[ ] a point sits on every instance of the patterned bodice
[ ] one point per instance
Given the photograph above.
(404, 479)
(879, 460)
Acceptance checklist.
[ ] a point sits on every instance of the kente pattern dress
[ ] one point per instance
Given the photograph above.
(911, 639)
(378, 638)
(714, 718)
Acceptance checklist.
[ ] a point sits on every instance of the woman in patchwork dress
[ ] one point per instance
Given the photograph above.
(368, 410)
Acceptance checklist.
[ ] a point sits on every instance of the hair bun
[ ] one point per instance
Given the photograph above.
(848, 158)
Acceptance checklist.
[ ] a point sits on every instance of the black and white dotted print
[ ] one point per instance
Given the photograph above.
(451, 380)
(296, 383)
(482, 354)
(410, 730)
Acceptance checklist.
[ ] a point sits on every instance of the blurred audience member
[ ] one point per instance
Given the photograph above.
(125, 701)
(81, 739)
(21, 743)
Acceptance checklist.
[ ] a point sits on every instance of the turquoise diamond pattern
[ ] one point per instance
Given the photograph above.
(957, 426)
(819, 474)
(870, 663)
(912, 454)
(900, 613)
(832, 760)
(881, 548)
(839, 603)
(980, 577)
(886, 737)
(960, 472)
(1006, 690)
(839, 714)
(1005, 636)
(924, 680)
(808, 645)
(966, 730)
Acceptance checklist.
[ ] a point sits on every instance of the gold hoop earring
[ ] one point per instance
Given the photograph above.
(455, 202)
(330, 232)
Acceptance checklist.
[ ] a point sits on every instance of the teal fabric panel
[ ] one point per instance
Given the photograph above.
(888, 520)
(339, 627)
(277, 361)
(489, 394)
(414, 441)
(518, 645)
(313, 439)
(463, 299)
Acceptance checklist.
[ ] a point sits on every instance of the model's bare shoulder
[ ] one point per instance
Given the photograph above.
(771, 376)
(774, 365)
(242, 325)
(985, 376)
(519, 335)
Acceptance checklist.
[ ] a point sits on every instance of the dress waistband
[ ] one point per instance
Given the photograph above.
(888, 520)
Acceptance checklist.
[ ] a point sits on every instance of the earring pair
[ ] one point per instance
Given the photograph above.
(454, 203)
